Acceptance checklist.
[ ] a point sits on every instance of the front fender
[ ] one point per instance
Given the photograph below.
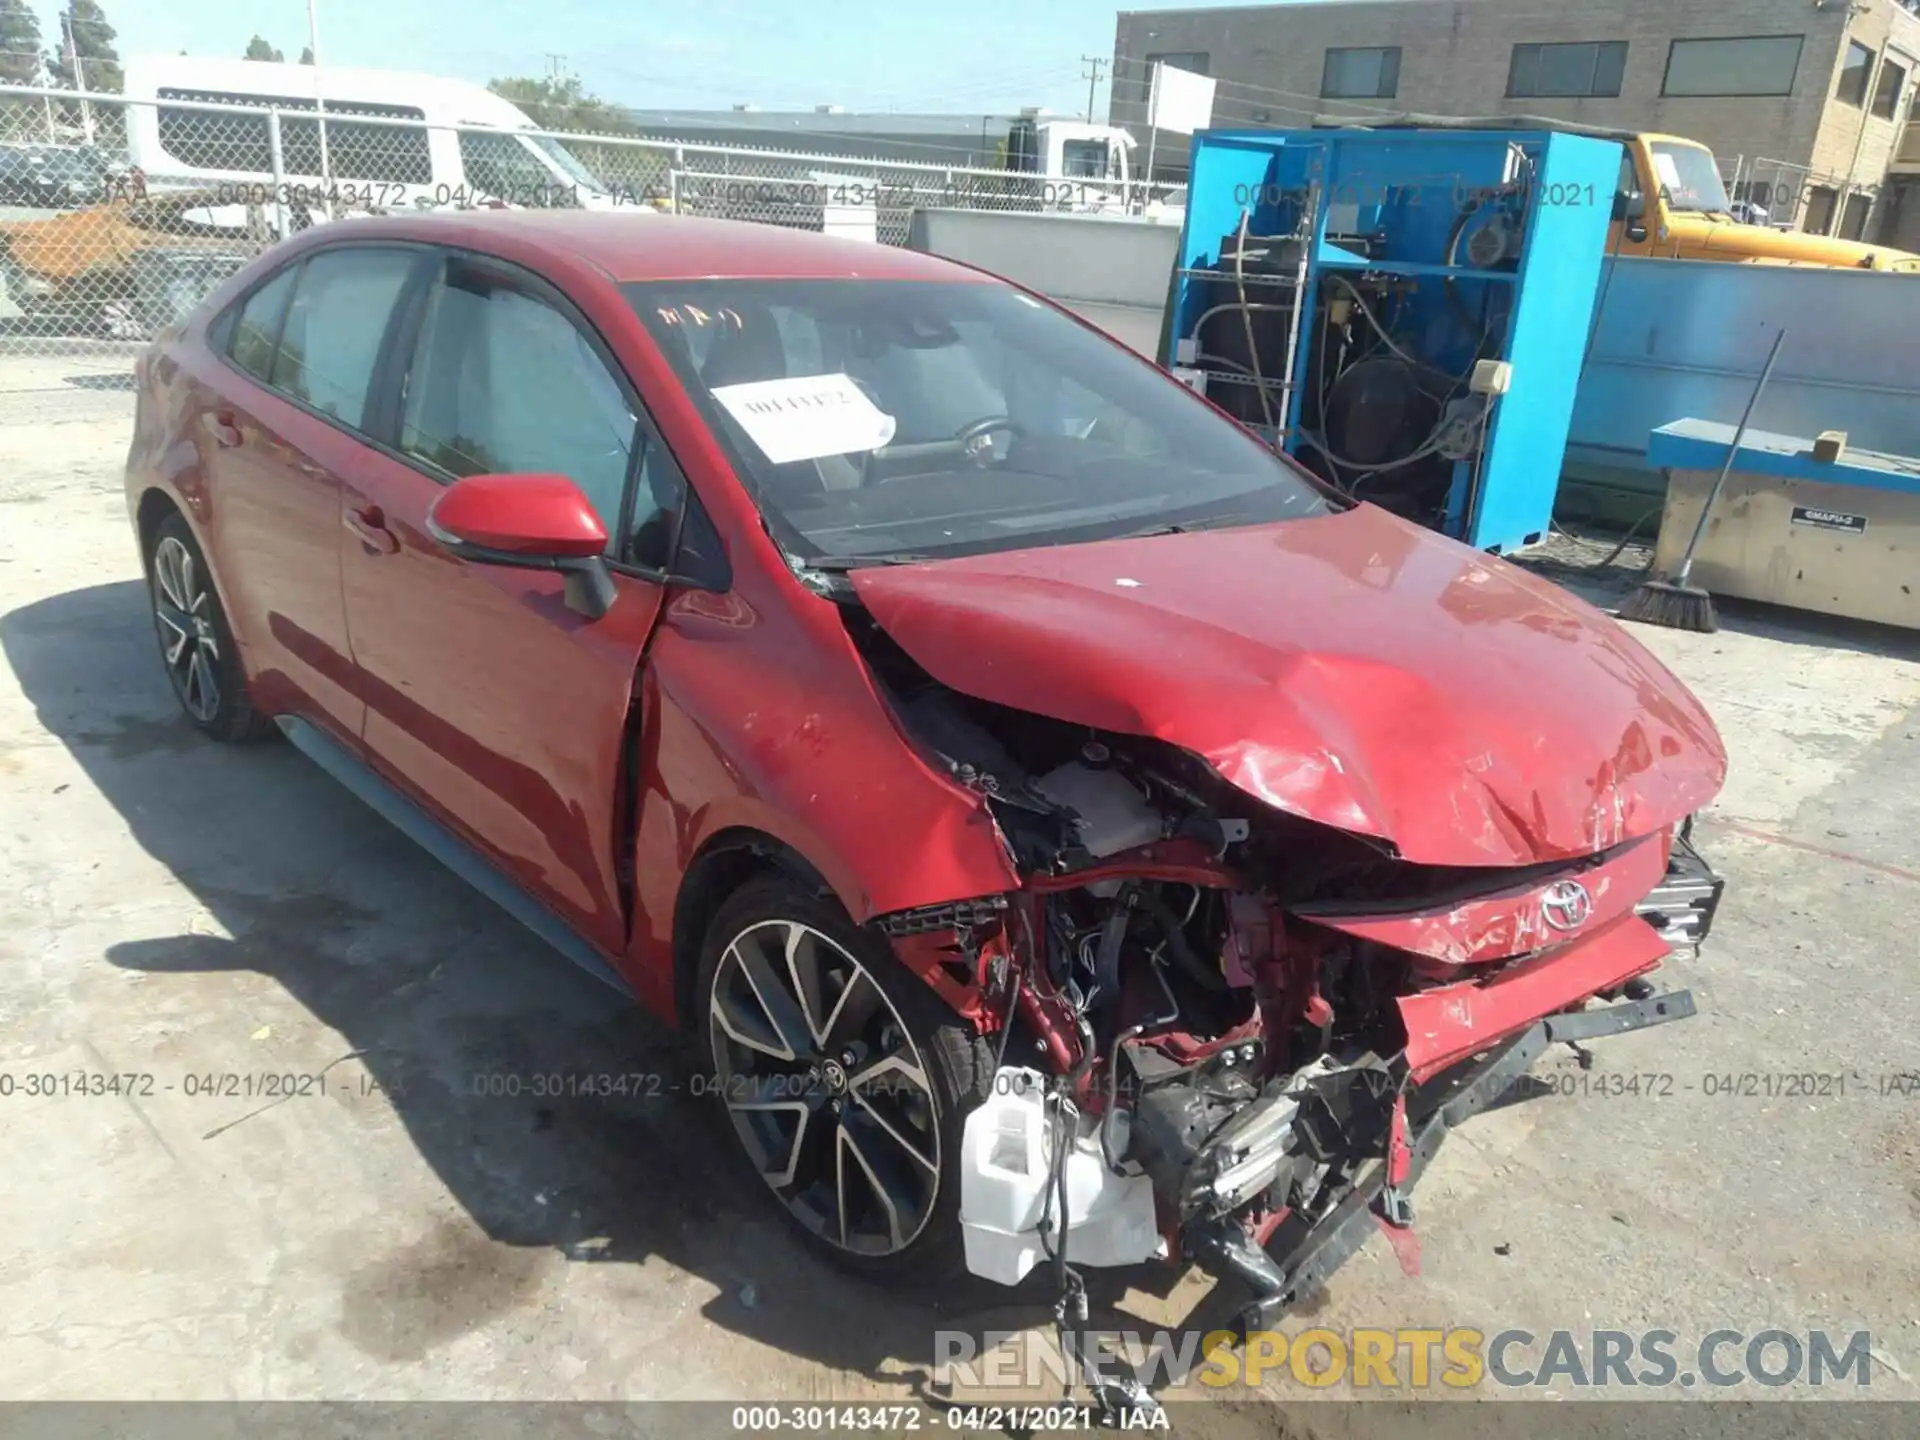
(763, 722)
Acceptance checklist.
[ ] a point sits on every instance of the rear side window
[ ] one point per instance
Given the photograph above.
(334, 326)
(503, 383)
(222, 140)
(256, 331)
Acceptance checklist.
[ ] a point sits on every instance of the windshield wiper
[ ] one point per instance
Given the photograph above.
(1184, 527)
(840, 563)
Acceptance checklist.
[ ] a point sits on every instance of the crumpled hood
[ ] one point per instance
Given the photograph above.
(1350, 668)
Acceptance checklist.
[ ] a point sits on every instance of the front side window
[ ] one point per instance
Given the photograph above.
(879, 418)
(569, 163)
(503, 383)
(1362, 74)
(1689, 180)
(1763, 65)
(498, 165)
(1087, 158)
(335, 323)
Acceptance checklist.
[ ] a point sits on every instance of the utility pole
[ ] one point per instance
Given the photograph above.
(79, 75)
(556, 66)
(320, 109)
(1095, 64)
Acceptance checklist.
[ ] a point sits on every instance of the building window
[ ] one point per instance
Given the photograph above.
(1887, 94)
(1821, 201)
(1195, 60)
(1555, 70)
(1765, 65)
(1854, 74)
(1362, 74)
(1853, 219)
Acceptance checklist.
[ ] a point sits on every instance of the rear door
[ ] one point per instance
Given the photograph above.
(279, 426)
(487, 699)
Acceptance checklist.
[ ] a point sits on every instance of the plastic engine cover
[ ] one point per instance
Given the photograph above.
(1114, 815)
(1005, 1165)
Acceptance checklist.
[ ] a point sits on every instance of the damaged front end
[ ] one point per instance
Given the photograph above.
(1231, 1035)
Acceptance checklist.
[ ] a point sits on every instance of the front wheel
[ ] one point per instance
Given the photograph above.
(845, 1081)
(196, 643)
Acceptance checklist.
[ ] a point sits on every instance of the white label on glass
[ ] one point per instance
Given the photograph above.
(807, 417)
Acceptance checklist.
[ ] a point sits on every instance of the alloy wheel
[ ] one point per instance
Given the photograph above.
(183, 606)
(825, 1086)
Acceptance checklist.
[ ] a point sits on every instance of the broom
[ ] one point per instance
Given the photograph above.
(1673, 602)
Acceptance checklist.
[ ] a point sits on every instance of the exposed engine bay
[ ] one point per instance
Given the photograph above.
(1228, 1034)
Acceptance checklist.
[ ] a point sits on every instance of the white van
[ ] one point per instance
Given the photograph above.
(454, 143)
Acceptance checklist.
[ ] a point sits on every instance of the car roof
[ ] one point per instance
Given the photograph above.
(641, 244)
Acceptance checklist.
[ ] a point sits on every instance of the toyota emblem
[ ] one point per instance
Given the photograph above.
(1566, 905)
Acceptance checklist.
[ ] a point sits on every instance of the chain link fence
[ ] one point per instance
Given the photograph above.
(1796, 196)
(117, 216)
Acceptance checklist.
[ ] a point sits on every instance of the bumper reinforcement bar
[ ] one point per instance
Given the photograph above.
(1448, 1100)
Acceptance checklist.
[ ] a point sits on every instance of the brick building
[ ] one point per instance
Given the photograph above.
(1805, 102)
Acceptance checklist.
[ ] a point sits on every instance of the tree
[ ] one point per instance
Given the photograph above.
(19, 44)
(306, 55)
(86, 34)
(258, 49)
(561, 102)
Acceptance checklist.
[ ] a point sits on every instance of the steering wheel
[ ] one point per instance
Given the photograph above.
(974, 430)
(966, 438)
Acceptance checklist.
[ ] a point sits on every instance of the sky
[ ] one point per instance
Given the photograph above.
(972, 56)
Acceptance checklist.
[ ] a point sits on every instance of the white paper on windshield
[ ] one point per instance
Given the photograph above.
(807, 417)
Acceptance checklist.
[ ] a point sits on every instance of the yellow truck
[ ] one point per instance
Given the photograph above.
(1672, 202)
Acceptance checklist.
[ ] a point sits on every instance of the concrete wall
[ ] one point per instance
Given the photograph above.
(1456, 54)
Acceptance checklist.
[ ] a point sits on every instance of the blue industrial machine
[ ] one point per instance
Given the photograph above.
(1404, 311)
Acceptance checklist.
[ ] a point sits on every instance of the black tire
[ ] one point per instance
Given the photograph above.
(196, 645)
(955, 1061)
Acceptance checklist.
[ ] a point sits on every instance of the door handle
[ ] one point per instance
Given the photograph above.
(220, 423)
(370, 525)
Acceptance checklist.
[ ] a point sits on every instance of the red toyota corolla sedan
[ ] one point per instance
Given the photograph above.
(1069, 832)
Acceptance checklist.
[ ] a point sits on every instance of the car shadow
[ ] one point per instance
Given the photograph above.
(558, 1115)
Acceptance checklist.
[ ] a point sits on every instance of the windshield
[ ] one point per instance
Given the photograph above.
(568, 162)
(1689, 179)
(887, 418)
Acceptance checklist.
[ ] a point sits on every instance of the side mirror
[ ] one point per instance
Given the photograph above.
(1637, 231)
(1629, 205)
(529, 522)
